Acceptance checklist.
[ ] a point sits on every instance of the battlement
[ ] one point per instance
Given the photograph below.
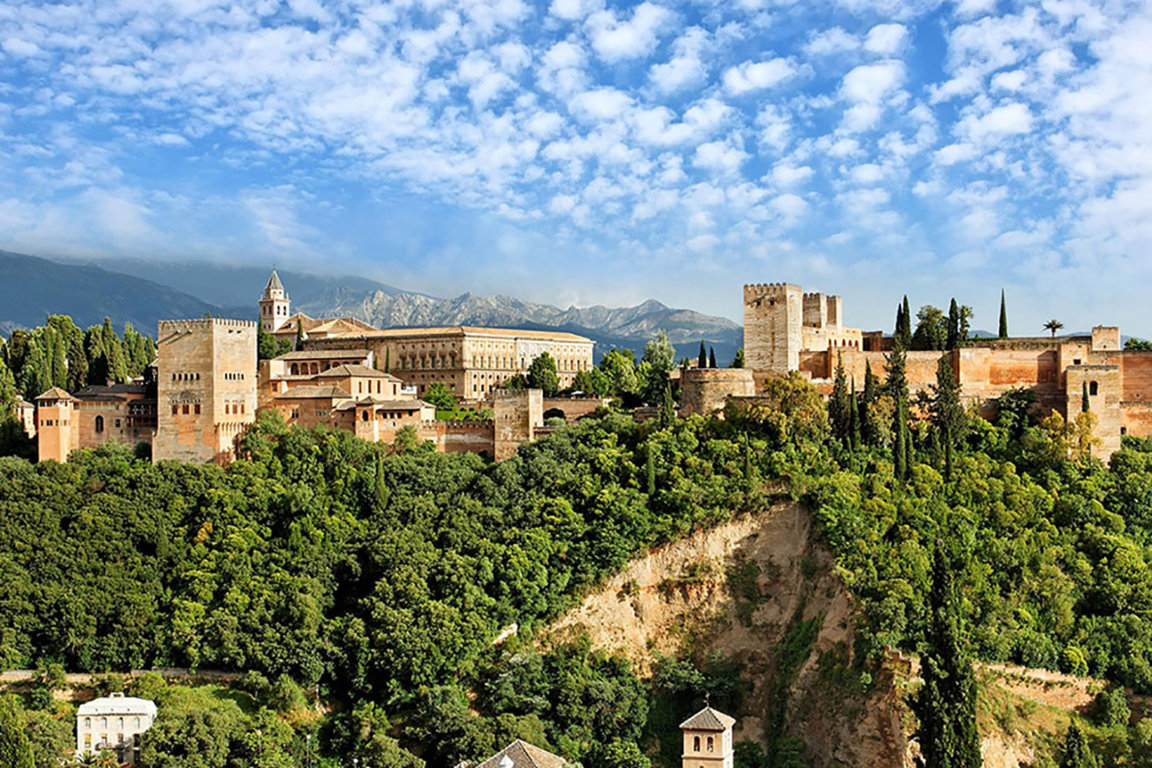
(176, 326)
(762, 290)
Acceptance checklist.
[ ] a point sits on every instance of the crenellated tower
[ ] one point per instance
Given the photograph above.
(275, 306)
(773, 326)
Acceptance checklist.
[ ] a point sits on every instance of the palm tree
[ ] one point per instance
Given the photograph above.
(1053, 325)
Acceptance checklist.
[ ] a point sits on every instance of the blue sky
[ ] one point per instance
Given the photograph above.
(587, 151)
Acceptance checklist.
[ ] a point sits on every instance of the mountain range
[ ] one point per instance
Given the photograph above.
(142, 292)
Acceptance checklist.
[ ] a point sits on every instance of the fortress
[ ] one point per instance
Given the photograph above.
(787, 330)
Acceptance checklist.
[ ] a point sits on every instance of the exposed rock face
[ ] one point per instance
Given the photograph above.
(650, 608)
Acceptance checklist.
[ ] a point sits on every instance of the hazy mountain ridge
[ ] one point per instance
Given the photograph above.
(147, 291)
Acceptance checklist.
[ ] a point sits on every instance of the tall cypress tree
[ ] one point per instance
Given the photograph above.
(711, 357)
(946, 704)
(1085, 405)
(947, 413)
(896, 331)
(299, 334)
(1003, 316)
(667, 407)
(897, 386)
(651, 470)
(868, 431)
(838, 404)
(953, 326)
(1077, 752)
(853, 419)
(702, 358)
(906, 326)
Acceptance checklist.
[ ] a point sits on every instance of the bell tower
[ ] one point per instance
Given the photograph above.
(708, 739)
(274, 304)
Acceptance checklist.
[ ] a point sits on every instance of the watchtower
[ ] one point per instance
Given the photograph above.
(54, 415)
(274, 304)
(773, 327)
(206, 389)
(707, 739)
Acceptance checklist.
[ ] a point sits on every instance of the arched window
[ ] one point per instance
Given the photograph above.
(295, 369)
(710, 744)
(364, 416)
(1092, 387)
(695, 743)
(99, 424)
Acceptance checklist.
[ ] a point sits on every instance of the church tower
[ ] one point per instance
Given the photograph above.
(708, 739)
(274, 304)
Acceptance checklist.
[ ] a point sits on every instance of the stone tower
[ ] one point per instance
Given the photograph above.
(773, 326)
(274, 304)
(707, 739)
(206, 390)
(54, 415)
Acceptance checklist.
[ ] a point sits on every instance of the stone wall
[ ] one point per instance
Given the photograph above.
(1103, 383)
(518, 413)
(704, 391)
(773, 322)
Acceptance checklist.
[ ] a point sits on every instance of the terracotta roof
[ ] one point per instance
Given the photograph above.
(324, 354)
(341, 325)
(453, 330)
(521, 754)
(708, 719)
(315, 392)
(396, 405)
(55, 394)
(363, 371)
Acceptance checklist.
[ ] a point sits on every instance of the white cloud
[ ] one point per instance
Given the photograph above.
(615, 40)
(686, 68)
(573, 10)
(784, 175)
(719, 157)
(756, 76)
(1001, 121)
(600, 104)
(886, 39)
(867, 87)
(831, 41)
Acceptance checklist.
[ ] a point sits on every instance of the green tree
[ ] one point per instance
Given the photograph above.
(711, 357)
(1053, 326)
(838, 407)
(790, 410)
(869, 427)
(619, 754)
(619, 365)
(897, 388)
(440, 395)
(1003, 331)
(667, 407)
(738, 360)
(905, 330)
(931, 329)
(853, 418)
(592, 381)
(542, 374)
(946, 704)
(1085, 403)
(15, 751)
(953, 339)
(299, 334)
(1077, 752)
(702, 358)
(266, 343)
(660, 357)
(947, 412)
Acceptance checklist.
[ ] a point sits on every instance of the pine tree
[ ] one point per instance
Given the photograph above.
(946, 704)
(838, 404)
(953, 326)
(1085, 405)
(1077, 752)
(702, 359)
(1003, 316)
(711, 357)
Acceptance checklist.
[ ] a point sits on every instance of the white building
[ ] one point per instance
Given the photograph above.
(114, 723)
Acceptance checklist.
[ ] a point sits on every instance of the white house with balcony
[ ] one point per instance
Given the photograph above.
(114, 723)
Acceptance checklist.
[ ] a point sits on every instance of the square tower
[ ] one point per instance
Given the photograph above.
(55, 416)
(206, 393)
(773, 323)
(275, 305)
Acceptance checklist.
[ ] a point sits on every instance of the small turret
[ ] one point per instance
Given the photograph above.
(708, 739)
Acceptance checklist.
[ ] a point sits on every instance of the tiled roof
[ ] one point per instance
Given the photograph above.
(521, 754)
(274, 283)
(324, 354)
(395, 405)
(708, 719)
(55, 394)
(314, 392)
(362, 371)
(453, 330)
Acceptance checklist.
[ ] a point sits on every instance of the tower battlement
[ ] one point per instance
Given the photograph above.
(177, 326)
(754, 291)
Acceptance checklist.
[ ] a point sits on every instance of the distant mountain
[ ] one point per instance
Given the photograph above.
(142, 292)
(32, 288)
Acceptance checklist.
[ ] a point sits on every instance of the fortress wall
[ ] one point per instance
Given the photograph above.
(817, 365)
(468, 438)
(1136, 419)
(576, 407)
(705, 390)
(1135, 376)
(1105, 403)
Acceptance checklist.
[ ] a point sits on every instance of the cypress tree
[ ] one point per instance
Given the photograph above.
(1077, 752)
(953, 326)
(853, 419)
(868, 431)
(899, 324)
(711, 357)
(897, 386)
(947, 412)
(667, 407)
(838, 405)
(747, 462)
(946, 704)
(702, 359)
(906, 327)
(388, 360)
(899, 446)
(1003, 316)
(651, 469)
(1085, 405)
(299, 334)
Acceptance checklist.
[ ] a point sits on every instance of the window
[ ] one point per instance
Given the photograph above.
(185, 409)
(695, 743)
(1092, 388)
(197, 408)
(175, 408)
(117, 423)
(99, 424)
(711, 745)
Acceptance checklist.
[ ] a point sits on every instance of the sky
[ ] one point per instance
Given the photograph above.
(596, 152)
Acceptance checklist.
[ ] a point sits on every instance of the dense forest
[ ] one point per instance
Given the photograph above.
(377, 577)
